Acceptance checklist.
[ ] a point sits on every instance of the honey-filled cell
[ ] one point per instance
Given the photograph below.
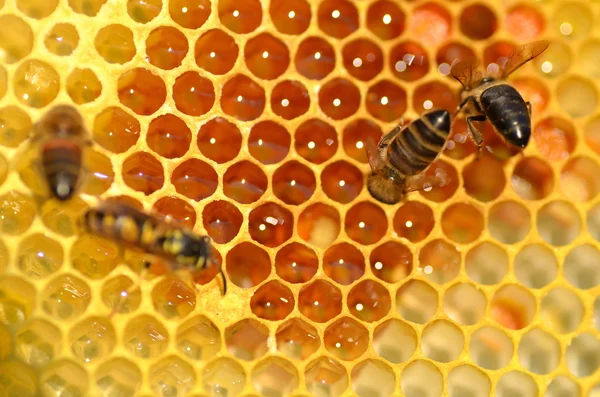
(296, 263)
(222, 221)
(272, 301)
(240, 18)
(315, 140)
(115, 44)
(290, 17)
(269, 142)
(337, 18)
(290, 99)
(166, 47)
(242, 98)
(430, 23)
(294, 183)
(193, 94)
(143, 11)
(143, 172)
(14, 46)
(115, 129)
(386, 101)
(83, 86)
(141, 91)
(195, 179)
(35, 83)
(62, 39)
(244, 182)
(315, 58)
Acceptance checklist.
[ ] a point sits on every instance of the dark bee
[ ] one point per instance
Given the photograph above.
(61, 135)
(495, 100)
(404, 153)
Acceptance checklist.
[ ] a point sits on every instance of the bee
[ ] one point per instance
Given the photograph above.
(404, 153)
(493, 99)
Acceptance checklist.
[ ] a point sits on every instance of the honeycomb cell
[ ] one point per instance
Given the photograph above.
(195, 179)
(92, 339)
(408, 61)
(319, 225)
(337, 18)
(325, 377)
(266, 56)
(484, 178)
(430, 23)
(222, 221)
(467, 380)
(593, 222)
(18, 379)
(293, 183)
(143, 11)
(462, 223)
(242, 98)
(413, 221)
(386, 101)
(478, 22)
(579, 180)
(581, 265)
(320, 301)
(450, 53)
(297, 339)
(490, 348)
(37, 9)
(558, 223)
(191, 14)
(588, 58)
(37, 343)
(93, 256)
(296, 263)
(342, 181)
(272, 301)
(555, 138)
(118, 296)
(421, 378)
(141, 91)
(513, 307)
(369, 301)
(577, 96)
(290, 17)
(343, 263)
(270, 224)
(62, 39)
(524, 23)
(198, 338)
(486, 263)
(166, 47)
(35, 83)
(247, 265)
(562, 310)
(555, 61)
(592, 134)
(116, 130)
(171, 208)
(83, 86)
(239, 17)
(366, 223)
(247, 339)
(143, 172)
(173, 298)
(509, 222)
(316, 141)
(464, 303)
(39, 256)
(219, 140)
(118, 377)
(562, 386)
(66, 297)
(433, 95)
(171, 376)
(355, 135)
(223, 376)
(3, 81)
(539, 352)
(385, 19)
(442, 341)
(115, 43)
(193, 94)
(216, 52)
(99, 173)
(14, 46)
(416, 301)
(373, 378)
(446, 182)
(391, 262)
(532, 179)
(363, 59)
(89, 8)
(145, 337)
(290, 99)
(274, 376)
(572, 20)
(516, 384)
(17, 213)
(268, 142)
(533, 91)
(339, 98)
(64, 377)
(315, 58)
(439, 261)
(394, 341)
(535, 266)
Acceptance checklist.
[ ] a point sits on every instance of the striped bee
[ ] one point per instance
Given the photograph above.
(402, 155)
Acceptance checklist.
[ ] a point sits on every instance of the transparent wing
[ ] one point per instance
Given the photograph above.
(467, 72)
(433, 177)
(523, 55)
(373, 154)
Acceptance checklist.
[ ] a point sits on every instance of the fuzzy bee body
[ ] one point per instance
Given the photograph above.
(508, 112)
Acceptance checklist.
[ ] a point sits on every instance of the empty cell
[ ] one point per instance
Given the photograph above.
(562, 310)
(373, 378)
(17, 212)
(539, 351)
(577, 96)
(588, 58)
(516, 384)
(297, 339)
(535, 266)
(581, 265)
(509, 222)
(486, 263)
(491, 348)
(37, 343)
(39, 256)
(421, 378)
(83, 86)
(173, 298)
(442, 341)
(593, 222)
(118, 375)
(35, 83)
(173, 374)
(94, 256)
(464, 303)
(198, 338)
(224, 376)
(66, 297)
(558, 223)
(274, 376)
(583, 355)
(116, 295)
(325, 377)
(395, 341)
(562, 386)
(580, 179)
(115, 43)
(513, 307)
(115, 129)
(247, 339)
(92, 338)
(89, 8)
(63, 375)
(417, 301)
(572, 20)
(467, 380)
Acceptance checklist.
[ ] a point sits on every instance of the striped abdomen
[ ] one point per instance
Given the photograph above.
(420, 143)
(61, 161)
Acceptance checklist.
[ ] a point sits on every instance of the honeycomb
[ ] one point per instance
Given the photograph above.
(246, 120)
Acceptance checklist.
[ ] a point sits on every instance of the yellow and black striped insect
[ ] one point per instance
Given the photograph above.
(403, 154)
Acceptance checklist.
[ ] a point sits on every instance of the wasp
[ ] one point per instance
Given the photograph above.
(493, 99)
(404, 153)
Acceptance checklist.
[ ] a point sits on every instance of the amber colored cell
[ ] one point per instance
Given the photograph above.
(297, 339)
(15, 125)
(343, 263)
(509, 222)
(296, 263)
(320, 301)
(434, 95)
(440, 182)
(16, 39)
(247, 265)
(118, 294)
(168, 136)
(220, 140)
(172, 208)
(369, 301)
(450, 53)
(319, 225)
(269, 142)
(4, 166)
(363, 59)
(356, 134)
(366, 223)
(39, 256)
(498, 52)
(346, 339)
(513, 307)
(222, 221)
(386, 101)
(315, 58)
(339, 98)
(115, 129)
(244, 182)
(430, 23)
(115, 44)
(524, 22)
(324, 376)
(242, 98)
(293, 183)
(465, 303)
(462, 223)
(413, 221)
(195, 179)
(532, 178)
(92, 339)
(247, 339)
(272, 301)
(141, 91)
(478, 22)
(66, 297)
(143, 11)
(385, 19)
(266, 56)
(290, 16)
(143, 172)
(580, 179)
(35, 83)
(555, 138)
(83, 86)
(191, 14)
(270, 224)
(534, 91)
(439, 261)
(99, 173)
(391, 262)
(17, 212)
(216, 52)
(85, 7)
(240, 17)
(166, 47)
(37, 9)
(459, 144)
(316, 141)
(290, 99)
(484, 178)
(193, 94)
(172, 298)
(341, 181)
(62, 39)
(337, 18)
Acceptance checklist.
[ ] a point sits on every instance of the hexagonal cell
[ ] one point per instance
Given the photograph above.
(320, 301)
(391, 262)
(513, 306)
(346, 338)
(274, 377)
(355, 134)
(89, 8)
(117, 295)
(442, 341)
(169, 136)
(64, 377)
(580, 179)
(143, 11)
(39, 256)
(272, 301)
(583, 355)
(115, 129)
(83, 86)
(297, 339)
(462, 223)
(315, 141)
(290, 17)
(408, 61)
(17, 213)
(166, 47)
(145, 337)
(509, 222)
(369, 301)
(118, 376)
(94, 256)
(62, 39)
(223, 376)
(195, 179)
(17, 300)
(539, 351)
(366, 223)
(266, 56)
(486, 263)
(581, 265)
(339, 98)
(315, 58)
(247, 339)
(244, 182)
(386, 101)
(173, 298)
(395, 341)
(222, 221)
(290, 99)
(18, 379)
(413, 221)
(478, 22)
(439, 261)
(362, 58)
(36, 83)
(294, 183)
(373, 378)
(171, 376)
(465, 303)
(337, 18)
(430, 23)
(37, 342)
(490, 348)
(555, 137)
(416, 301)
(270, 224)
(325, 377)
(577, 96)
(115, 44)
(562, 386)
(319, 225)
(193, 94)
(343, 263)
(66, 297)
(421, 378)
(242, 98)
(92, 338)
(535, 266)
(268, 142)
(296, 263)
(434, 95)
(562, 310)
(467, 380)
(516, 384)
(247, 265)
(484, 178)
(198, 338)
(100, 173)
(341, 181)
(385, 19)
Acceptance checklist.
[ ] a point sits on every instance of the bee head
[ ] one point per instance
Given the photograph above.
(385, 187)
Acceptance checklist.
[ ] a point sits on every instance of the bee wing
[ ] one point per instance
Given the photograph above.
(523, 55)
(432, 177)
(467, 72)
(373, 154)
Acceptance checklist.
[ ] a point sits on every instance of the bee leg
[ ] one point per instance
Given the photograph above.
(528, 107)
(389, 137)
(477, 137)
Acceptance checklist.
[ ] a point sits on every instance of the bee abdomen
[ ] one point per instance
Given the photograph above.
(507, 111)
(61, 160)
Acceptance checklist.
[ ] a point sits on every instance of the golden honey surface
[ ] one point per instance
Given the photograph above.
(247, 121)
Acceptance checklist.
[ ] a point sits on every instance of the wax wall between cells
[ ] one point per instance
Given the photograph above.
(248, 121)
